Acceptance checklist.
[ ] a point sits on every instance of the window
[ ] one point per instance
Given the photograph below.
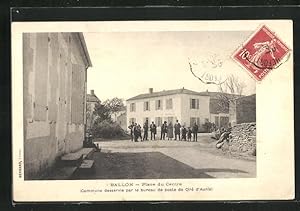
(132, 107)
(194, 103)
(41, 78)
(146, 106)
(158, 105)
(158, 121)
(224, 120)
(193, 120)
(132, 120)
(169, 103)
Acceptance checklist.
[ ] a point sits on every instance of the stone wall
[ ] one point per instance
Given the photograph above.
(243, 110)
(246, 109)
(242, 140)
(54, 80)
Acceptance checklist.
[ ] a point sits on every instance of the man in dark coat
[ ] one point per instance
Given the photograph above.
(195, 131)
(131, 128)
(164, 129)
(184, 131)
(153, 130)
(145, 127)
(136, 132)
(177, 127)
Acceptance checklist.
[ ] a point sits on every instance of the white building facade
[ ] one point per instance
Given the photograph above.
(183, 105)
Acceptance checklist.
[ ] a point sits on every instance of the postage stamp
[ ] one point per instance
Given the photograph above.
(261, 53)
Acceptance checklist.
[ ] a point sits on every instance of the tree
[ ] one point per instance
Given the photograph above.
(230, 90)
(114, 106)
(104, 126)
(102, 113)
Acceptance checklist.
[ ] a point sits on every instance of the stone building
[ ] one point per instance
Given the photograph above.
(183, 105)
(243, 110)
(54, 75)
(122, 119)
(91, 101)
(219, 107)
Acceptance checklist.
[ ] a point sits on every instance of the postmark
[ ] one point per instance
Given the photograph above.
(209, 70)
(261, 53)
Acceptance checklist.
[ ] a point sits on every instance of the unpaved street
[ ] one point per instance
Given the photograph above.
(123, 159)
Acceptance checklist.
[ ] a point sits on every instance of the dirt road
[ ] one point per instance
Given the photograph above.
(123, 159)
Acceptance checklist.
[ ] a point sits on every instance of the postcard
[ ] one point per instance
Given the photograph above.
(152, 110)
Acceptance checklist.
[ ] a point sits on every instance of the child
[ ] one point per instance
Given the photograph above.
(189, 134)
(184, 133)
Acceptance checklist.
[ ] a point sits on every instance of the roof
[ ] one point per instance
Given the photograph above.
(92, 98)
(166, 93)
(216, 95)
(84, 47)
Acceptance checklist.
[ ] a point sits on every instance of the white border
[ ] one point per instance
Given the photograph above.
(275, 123)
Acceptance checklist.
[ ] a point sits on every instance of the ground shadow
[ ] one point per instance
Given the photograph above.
(146, 165)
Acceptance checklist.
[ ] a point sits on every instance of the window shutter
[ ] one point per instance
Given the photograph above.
(191, 103)
(41, 77)
(144, 106)
(197, 103)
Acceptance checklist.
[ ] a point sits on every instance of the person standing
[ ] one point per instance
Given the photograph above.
(145, 127)
(153, 130)
(135, 132)
(131, 128)
(170, 131)
(177, 127)
(195, 132)
(189, 134)
(163, 131)
(183, 133)
(140, 132)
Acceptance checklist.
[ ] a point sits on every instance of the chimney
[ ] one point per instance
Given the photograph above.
(92, 92)
(150, 90)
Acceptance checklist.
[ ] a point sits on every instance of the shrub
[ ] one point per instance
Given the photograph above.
(107, 129)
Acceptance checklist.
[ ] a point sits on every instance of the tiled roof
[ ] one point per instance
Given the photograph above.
(217, 105)
(217, 95)
(167, 92)
(92, 98)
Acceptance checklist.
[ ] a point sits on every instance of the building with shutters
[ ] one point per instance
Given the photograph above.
(91, 101)
(183, 105)
(219, 107)
(54, 75)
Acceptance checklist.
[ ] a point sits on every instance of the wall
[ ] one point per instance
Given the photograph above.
(54, 91)
(181, 109)
(122, 121)
(187, 112)
(140, 114)
(243, 110)
(90, 108)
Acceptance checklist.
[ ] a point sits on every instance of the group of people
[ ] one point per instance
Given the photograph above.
(180, 132)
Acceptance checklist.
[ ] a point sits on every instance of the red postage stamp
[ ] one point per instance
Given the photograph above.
(261, 53)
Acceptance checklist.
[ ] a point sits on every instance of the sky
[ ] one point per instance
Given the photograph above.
(126, 64)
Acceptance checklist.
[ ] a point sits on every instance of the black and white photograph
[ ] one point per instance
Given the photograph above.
(152, 110)
(137, 105)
